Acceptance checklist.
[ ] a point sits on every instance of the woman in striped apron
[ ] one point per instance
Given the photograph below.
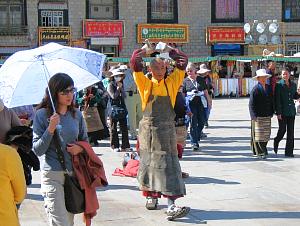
(261, 111)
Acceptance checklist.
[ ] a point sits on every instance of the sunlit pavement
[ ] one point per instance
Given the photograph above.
(227, 186)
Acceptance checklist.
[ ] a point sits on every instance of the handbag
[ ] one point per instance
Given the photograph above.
(74, 195)
(118, 112)
(92, 119)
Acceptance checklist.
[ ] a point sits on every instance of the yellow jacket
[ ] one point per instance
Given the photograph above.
(173, 82)
(12, 185)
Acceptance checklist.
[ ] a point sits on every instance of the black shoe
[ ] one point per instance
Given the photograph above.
(275, 147)
(289, 155)
(195, 147)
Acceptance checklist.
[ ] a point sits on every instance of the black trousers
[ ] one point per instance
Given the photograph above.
(105, 132)
(114, 138)
(286, 124)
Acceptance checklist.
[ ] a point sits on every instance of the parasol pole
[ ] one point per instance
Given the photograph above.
(47, 74)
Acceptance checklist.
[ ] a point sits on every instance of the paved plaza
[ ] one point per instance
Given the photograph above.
(227, 186)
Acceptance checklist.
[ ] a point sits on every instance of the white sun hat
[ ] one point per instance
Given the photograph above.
(203, 69)
(261, 73)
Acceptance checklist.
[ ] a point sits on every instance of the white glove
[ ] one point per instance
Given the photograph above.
(163, 47)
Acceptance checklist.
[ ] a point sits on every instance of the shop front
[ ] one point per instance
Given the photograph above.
(60, 35)
(104, 36)
(174, 34)
(226, 40)
(229, 76)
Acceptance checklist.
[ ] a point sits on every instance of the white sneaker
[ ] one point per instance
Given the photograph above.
(115, 149)
(175, 212)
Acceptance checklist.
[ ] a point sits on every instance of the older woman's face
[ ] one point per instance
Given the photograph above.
(262, 79)
(285, 75)
(191, 72)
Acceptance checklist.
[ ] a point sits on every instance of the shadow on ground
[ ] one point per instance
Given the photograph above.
(34, 186)
(236, 215)
(207, 180)
(118, 187)
(34, 197)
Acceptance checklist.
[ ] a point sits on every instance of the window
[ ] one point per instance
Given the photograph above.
(103, 9)
(223, 11)
(292, 48)
(162, 11)
(291, 10)
(50, 18)
(12, 16)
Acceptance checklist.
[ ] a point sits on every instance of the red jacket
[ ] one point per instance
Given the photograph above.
(90, 173)
(130, 170)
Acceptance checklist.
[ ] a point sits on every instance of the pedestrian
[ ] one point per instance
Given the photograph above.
(25, 114)
(132, 101)
(180, 110)
(66, 122)
(204, 75)
(88, 100)
(261, 111)
(13, 186)
(119, 113)
(271, 68)
(197, 99)
(285, 94)
(102, 109)
(8, 119)
(159, 172)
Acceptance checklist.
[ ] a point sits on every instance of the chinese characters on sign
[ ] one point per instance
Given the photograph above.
(178, 33)
(92, 28)
(227, 9)
(225, 35)
(60, 35)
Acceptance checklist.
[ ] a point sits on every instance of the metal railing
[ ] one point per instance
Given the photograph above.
(15, 30)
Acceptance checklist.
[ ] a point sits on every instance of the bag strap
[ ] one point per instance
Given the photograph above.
(59, 151)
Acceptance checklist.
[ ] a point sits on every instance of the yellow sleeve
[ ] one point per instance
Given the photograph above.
(144, 85)
(173, 81)
(17, 177)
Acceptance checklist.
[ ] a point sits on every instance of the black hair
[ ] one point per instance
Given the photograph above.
(57, 83)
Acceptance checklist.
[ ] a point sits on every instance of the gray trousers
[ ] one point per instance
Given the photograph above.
(52, 189)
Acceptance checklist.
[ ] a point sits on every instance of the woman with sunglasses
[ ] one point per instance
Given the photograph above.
(118, 111)
(73, 129)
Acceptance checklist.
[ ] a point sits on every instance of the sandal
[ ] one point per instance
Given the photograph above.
(151, 203)
(175, 212)
(185, 175)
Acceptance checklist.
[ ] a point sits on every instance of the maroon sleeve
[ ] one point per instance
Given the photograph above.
(180, 58)
(136, 60)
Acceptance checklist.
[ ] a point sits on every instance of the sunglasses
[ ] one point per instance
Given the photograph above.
(68, 91)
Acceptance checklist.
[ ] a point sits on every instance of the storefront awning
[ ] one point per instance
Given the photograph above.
(207, 59)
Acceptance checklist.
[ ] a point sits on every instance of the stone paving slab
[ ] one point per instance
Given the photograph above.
(227, 186)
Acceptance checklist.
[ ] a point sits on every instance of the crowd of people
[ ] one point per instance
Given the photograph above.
(155, 105)
(267, 98)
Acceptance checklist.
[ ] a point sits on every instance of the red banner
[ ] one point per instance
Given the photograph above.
(93, 28)
(225, 35)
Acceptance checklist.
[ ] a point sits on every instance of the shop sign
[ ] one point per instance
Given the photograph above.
(60, 35)
(178, 33)
(225, 35)
(93, 28)
(80, 43)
